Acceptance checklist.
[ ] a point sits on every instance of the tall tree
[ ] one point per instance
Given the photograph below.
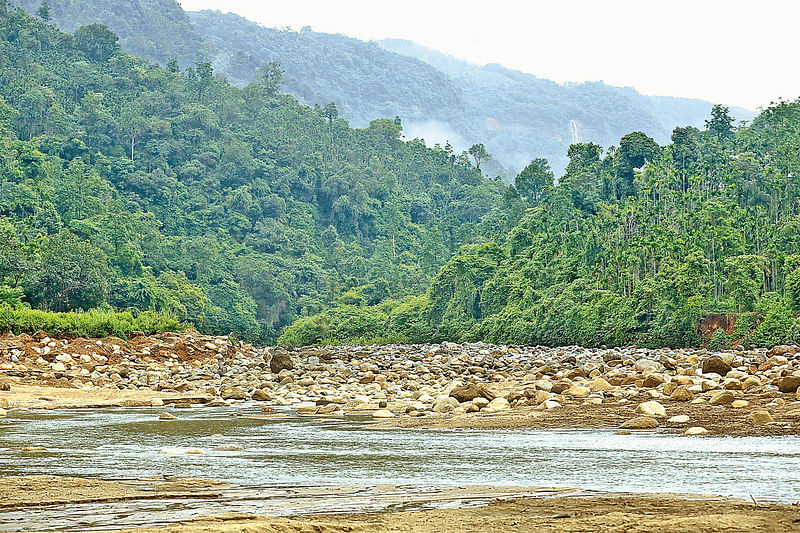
(534, 180)
(479, 154)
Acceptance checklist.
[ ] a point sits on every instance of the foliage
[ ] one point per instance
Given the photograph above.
(95, 323)
(637, 246)
(239, 210)
(516, 115)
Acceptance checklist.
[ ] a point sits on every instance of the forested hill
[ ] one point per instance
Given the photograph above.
(633, 246)
(127, 185)
(517, 116)
(154, 29)
(364, 80)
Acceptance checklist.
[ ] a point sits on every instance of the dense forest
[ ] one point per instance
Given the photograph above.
(128, 186)
(634, 245)
(516, 115)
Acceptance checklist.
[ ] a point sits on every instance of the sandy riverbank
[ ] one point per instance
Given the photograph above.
(614, 513)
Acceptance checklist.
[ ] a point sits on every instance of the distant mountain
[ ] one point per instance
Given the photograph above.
(439, 98)
(519, 115)
(364, 80)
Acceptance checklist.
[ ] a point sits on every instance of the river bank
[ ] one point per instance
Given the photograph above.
(688, 391)
(552, 510)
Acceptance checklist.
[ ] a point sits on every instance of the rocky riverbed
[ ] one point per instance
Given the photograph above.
(688, 391)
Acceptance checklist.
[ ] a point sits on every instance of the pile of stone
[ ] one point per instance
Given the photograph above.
(412, 380)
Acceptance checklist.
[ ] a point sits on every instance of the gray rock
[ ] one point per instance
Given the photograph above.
(715, 365)
(280, 360)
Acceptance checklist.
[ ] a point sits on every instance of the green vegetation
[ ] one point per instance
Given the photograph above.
(632, 247)
(128, 185)
(94, 323)
(441, 99)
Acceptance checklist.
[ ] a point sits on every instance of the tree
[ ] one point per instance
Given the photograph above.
(721, 122)
(14, 262)
(133, 123)
(534, 180)
(173, 66)
(685, 151)
(331, 113)
(582, 156)
(479, 154)
(746, 275)
(635, 151)
(270, 77)
(96, 41)
(70, 274)
(44, 11)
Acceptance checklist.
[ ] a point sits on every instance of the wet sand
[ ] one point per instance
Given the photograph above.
(615, 513)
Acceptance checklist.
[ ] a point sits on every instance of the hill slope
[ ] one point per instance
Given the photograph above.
(517, 116)
(129, 185)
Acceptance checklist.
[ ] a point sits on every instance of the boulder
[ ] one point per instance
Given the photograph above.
(444, 404)
(697, 430)
(715, 365)
(652, 408)
(498, 404)
(233, 393)
(644, 364)
(280, 360)
(653, 380)
(599, 385)
(640, 422)
(681, 394)
(470, 391)
(678, 419)
(759, 417)
(578, 391)
(782, 349)
(167, 416)
(383, 413)
(262, 395)
(738, 404)
(724, 397)
(789, 384)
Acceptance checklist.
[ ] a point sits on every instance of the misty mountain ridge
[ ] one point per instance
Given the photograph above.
(518, 116)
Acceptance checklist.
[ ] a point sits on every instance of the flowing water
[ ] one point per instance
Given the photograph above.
(268, 459)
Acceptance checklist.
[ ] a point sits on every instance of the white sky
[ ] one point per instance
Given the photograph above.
(734, 52)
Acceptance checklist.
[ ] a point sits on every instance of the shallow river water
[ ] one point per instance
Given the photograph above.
(278, 455)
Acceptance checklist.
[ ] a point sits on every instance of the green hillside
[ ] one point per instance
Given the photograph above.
(633, 246)
(128, 185)
(517, 116)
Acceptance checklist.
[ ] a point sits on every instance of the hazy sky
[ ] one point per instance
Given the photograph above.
(734, 52)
